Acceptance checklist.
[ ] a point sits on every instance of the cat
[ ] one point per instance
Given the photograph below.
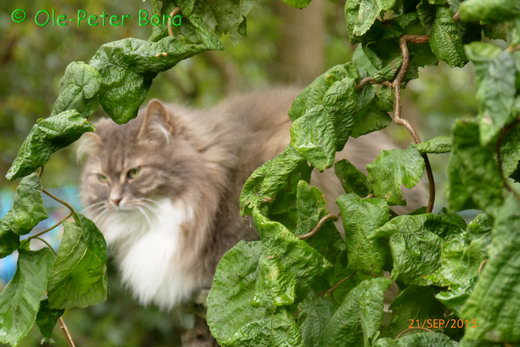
(164, 188)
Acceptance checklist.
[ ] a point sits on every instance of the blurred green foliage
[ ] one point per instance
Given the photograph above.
(32, 62)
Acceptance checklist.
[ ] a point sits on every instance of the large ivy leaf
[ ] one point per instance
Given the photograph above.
(416, 244)
(510, 153)
(47, 317)
(266, 182)
(357, 320)
(287, 266)
(46, 137)
(313, 136)
(352, 180)
(9, 242)
(474, 178)
(438, 144)
(489, 10)
(311, 208)
(128, 66)
(20, 299)
(360, 217)
(314, 313)
(418, 339)
(495, 70)
(495, 302)
(78, 89)
(407, 308)
(230, 297)
(446, 38)
(78, 278)
(314, 93)
(278, 329)
(205, 18)
(392, 169)
(360, 15)
(27, 210)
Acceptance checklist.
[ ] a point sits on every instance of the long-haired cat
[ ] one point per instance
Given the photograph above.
(164, 188)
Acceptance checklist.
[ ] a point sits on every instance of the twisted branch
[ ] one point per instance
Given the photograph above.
(396, 117)
(322, 221)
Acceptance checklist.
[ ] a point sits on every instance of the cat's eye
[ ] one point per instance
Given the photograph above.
(102, 178)
(132, 173)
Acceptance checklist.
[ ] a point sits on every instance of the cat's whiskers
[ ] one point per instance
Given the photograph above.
(94, 205)
(151, 201)
(143, 212)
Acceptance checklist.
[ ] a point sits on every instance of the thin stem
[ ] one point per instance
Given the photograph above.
(334, 287)
(173, 13)
(64, 203)
(410, 329)
(372, 80)
(66, 332)
(47, 244)
(322, 221)
(52, 227)
(71, 209)
(396, 117)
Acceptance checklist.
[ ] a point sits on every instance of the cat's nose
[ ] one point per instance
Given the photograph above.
(116, 201)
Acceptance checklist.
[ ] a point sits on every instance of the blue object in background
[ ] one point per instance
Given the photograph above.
(56, 212)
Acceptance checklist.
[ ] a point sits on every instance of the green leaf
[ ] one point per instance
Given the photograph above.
(369, 120)
(489, 10)
(418, 339)
(510, 153)
(361, 216)
(46, 137)
(128, 66)
(495, 302)
(266, 182)
(438, 144)
(495, 72)
(315, 311)
(357, 320)
(460, 261)
(278, 329)
(352, 180)
(287, 266)
(78, 278)
(392, 169)
(474, 179)
(9, 242)
(315, 92)
(311, 208)
(385, 99)
(20, 299)
(47, 318)
(27, 210)
(360, 15)
(340, 102)
(230, 296)
(313, 137)
(407, 307)
(214, 17)
(446, 38)
(416, 244)
(298, 3)
(78, 89)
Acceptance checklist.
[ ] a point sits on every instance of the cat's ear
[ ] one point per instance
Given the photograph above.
(157, 123)
(89, 144)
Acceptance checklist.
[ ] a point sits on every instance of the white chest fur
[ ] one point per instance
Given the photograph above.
(149, 252)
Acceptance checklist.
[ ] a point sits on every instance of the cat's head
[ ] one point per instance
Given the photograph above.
(131, 166)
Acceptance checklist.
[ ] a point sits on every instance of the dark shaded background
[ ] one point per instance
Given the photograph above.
(284, 46)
